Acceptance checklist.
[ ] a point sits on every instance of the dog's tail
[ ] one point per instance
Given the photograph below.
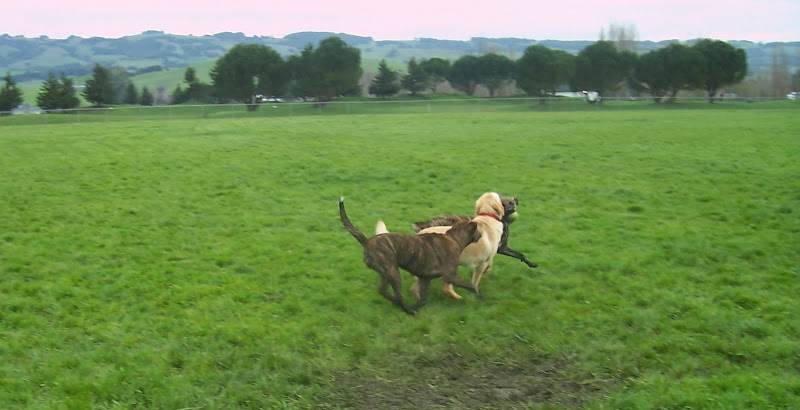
(380, 228)
(349, 225)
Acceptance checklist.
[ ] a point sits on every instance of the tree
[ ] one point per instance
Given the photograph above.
(131, 95)
(438, 70)
(495, 71)
(56, 94)
(99, 89)
(465, 74)
(541, 70)
(247, 70)
(417, 78)
(722, 64)
(385, 83)
(119, 79)
(781, 77)
(601, 67)
(10, 94)
(146, 98)
(667, 70)
(339, 69)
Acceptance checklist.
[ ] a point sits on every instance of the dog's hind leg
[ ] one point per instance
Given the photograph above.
(391, 277)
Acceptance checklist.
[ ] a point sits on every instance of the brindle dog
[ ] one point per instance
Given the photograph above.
(509, 203)
(426, 256)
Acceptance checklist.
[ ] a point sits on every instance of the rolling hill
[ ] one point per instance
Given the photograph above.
(33, 58)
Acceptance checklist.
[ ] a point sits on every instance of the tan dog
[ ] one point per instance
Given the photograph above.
(479, 255)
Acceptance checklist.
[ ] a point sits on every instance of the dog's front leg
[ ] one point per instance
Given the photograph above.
(481, 270)
(517, 255)
(453, 278)
(448, 289)
(423, 285)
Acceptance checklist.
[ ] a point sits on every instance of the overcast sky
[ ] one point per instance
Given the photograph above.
(759, 21)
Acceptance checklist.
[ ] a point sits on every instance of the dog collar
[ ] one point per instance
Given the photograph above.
(496, 218)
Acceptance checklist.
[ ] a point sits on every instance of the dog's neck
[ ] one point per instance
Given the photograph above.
(496, 218)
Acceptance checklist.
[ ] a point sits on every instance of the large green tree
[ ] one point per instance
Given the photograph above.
(602, 68)
(541, 70)
(722, 64)
(465, 74)
(99, 90)
(247, 70)
(10, 94)
(385, 83)
(438, 70)
(495, 71)
(417, 79)
(665, 71)
(57, 94)
(339, 69)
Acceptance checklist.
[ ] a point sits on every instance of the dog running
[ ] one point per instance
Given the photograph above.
(426, 256)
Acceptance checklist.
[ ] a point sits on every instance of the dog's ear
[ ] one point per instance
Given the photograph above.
(498, 206)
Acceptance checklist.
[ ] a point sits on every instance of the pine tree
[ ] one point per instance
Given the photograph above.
(99, 89)
(56, 94)
(417, 78)
(66, 94)
(146, 97)
(48, 95)
(10, 95)
(385, 83)
(131, 95)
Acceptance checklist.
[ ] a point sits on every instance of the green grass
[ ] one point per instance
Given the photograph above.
(200, 262)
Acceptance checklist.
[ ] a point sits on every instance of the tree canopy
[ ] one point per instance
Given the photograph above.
(541, 70)
(665, 71)
(465, 74)
(495, 71)
(438, 70)
(247, 70)
(601, 67)
(722, 64)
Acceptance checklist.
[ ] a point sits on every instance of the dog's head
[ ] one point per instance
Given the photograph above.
(490, 203)
(465, 232)
(510, 206)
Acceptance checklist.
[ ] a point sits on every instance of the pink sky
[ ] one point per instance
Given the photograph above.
(760, 21)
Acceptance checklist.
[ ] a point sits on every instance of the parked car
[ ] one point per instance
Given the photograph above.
(793, 95)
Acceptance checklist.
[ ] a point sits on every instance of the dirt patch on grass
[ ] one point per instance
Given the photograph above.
(456, 383)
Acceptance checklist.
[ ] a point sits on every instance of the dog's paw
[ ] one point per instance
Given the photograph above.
(532, 264)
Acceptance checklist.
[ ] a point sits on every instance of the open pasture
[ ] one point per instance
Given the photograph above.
(201, 263)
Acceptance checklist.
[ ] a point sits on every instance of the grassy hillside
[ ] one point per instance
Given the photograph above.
(201, 262)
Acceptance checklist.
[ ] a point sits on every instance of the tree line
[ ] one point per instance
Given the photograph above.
(247, 72)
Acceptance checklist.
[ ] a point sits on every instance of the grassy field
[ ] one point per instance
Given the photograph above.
(200, 263)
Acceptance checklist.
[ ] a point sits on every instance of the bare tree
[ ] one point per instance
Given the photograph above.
(781, 78)
(623, 35)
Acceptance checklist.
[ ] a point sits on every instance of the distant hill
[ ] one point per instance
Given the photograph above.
(30, 59)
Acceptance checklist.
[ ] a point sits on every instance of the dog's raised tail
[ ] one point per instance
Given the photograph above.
(349, 225)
